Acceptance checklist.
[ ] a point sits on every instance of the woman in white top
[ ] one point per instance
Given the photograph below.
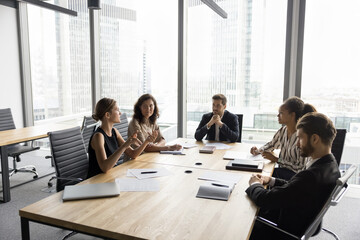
(290, 162)
(146, 113)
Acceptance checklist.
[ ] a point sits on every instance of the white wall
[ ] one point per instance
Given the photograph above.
(10, 90)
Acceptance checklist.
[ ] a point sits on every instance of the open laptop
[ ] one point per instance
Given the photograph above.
(86, 191)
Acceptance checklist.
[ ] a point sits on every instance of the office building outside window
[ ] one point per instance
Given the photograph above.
(138, 55)
(241, 57)
(330, 76)
(60, 61)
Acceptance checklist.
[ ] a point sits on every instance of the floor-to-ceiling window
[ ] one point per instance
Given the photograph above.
(331, 73)
(138, 55)
(60, 61)
(241, 57)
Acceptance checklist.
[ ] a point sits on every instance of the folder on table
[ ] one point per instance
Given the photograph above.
(86, 191)
(207, 149)
(215, 190)
(245, 165)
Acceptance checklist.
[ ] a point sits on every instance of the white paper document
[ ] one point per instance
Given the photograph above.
(148, 173)
(221, 177)
(231, 155)
(189, 145)
(218, 145)
(136, 185)
(178, 152)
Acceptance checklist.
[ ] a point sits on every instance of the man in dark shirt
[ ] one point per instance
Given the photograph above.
(294, 204)
(220, 124)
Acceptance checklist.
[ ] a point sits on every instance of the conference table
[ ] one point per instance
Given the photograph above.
(173, 212)
(21, 135)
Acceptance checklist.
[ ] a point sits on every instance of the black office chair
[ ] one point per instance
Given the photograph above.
(338, 145)
(333, 200)
(15, 150)
(240, 119)
(89, 125)
(70, 157)
(122, 127)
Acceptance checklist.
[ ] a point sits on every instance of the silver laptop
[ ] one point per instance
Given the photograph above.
(85, 191)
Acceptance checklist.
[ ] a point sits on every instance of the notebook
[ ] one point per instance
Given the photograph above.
(207, 149)
(245, 165)
(86, 191)
(215, 190)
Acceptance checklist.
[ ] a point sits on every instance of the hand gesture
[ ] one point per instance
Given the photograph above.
(174, 147)
(132, 140)
(270, 156)
(254, 151)
(152, 137)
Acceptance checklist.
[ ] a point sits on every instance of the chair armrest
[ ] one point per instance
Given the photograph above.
(335, 201)
(64, 178)
(274, 225)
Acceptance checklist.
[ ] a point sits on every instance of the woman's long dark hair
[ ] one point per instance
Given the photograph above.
(137, 109)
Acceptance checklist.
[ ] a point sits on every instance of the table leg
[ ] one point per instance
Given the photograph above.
(25, 232)
(5, 174)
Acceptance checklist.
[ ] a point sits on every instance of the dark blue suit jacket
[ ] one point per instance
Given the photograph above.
(297, 202)
(229, 131)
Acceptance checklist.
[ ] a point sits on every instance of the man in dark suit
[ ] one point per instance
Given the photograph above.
(220, 124)
(294, 204)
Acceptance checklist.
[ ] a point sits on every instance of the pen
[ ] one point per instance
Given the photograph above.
(148, 172)
(220, 185)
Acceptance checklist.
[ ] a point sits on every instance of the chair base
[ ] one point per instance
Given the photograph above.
(69, 235)
(28, 168)
(331, 233)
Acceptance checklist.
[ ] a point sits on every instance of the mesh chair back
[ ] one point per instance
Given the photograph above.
(70, 158)
(122, 127)
(240, 119)
(338, 144)
(6, 120)
(335, 197)
(89, 125)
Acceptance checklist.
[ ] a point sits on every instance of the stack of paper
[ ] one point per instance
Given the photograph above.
(189, 145)
(178, 152)
(231, 155)
(148, 173)
(218, 145)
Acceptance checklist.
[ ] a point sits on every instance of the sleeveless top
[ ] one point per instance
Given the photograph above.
(110, 145)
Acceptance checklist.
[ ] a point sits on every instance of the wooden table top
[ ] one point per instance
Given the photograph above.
(192, 156)
(29, 133)
(172, 213)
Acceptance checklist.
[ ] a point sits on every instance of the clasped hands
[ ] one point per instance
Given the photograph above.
(216, 119)
(264, 180)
